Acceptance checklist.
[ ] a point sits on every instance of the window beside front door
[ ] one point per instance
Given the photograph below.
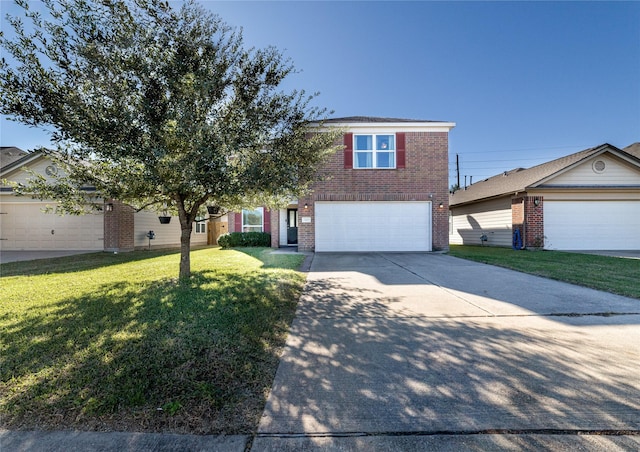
(374, 151)
(253, 220)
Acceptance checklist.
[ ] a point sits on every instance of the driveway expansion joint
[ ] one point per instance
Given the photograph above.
(499, 431)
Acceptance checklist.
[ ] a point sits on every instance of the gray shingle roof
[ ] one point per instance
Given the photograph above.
(519, 179)
(364, 119)
(10, 154)
(633, 149)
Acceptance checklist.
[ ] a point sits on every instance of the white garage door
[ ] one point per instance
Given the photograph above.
(25, 227)
(373, 226)
(592, 225)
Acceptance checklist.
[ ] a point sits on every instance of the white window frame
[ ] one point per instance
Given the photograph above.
(375, 151)
(201, 226)
(253, 226)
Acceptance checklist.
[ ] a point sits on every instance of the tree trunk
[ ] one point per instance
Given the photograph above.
(185, 241)
(185, 251)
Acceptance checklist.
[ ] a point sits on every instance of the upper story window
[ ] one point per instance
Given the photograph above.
(253, 220)
(374, 151)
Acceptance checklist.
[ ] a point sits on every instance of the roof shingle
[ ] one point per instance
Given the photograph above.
(519, 179)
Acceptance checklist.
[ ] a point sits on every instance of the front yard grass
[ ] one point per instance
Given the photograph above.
(114, 342)
(611, 274)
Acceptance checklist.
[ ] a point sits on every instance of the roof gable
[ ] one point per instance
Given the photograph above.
(519, 180)
(16, 164)
(600, 170)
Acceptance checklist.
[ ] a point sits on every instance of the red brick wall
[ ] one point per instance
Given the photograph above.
(118, 227)
(534, 225)
(275, 228)
(424, 178)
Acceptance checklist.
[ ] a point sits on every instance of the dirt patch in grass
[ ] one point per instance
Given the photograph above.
(122, 346)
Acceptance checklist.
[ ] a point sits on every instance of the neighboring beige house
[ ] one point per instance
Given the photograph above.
(589, 200)
(25, 226)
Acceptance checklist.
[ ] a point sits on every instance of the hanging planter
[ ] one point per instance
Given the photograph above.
(164, 219)
(213, 210)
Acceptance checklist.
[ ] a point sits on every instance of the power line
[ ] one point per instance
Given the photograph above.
(581, 147)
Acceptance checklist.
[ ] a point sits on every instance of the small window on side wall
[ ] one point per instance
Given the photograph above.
(374, 151)
(253, 220)
(201, 226)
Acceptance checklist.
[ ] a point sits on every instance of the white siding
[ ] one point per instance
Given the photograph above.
(616, 173)
(167, 235)
(492, 218)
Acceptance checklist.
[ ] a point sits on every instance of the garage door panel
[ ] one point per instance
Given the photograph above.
(373, 226)
(26, 227)
(592, 225)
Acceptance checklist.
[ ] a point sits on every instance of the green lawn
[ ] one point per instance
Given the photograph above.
(114, 342)
(611, 274)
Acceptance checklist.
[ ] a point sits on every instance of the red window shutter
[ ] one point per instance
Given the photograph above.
(238, 222)
(400, 150)
(266, 221)
(348, 150)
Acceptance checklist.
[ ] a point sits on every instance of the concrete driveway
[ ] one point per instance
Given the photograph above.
(16, 256)
(430, 352)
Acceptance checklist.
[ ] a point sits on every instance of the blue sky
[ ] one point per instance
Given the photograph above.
(525, 82)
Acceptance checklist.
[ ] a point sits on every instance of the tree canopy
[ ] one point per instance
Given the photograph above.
(156, 106)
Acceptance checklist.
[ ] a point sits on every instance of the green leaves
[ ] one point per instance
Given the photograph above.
(160, 105)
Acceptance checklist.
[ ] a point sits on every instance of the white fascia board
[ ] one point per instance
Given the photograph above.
(392, 127)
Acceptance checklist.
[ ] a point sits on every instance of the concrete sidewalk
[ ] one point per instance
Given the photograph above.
(430, 352)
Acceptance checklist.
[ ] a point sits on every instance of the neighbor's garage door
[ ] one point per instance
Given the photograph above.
(373, 226)
(592, 225)
(23, 226)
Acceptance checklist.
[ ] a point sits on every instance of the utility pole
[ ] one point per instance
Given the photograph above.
(458, 170)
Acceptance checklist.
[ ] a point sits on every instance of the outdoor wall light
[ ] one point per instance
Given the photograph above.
(536, 202)
(109, 207)
(441, 205)
(306, 206)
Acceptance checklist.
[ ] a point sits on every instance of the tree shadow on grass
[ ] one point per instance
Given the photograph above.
(84, 262)
(152, 356)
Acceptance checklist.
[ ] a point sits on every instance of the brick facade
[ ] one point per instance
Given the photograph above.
(424, 178)
(527, 214)
(118, 226)
(534, 224)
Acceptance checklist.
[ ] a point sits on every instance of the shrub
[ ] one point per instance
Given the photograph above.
(236, 239)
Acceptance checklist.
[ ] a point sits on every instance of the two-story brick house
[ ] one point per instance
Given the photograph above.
(386, 191)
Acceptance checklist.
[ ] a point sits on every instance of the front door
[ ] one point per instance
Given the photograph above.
(292, 226)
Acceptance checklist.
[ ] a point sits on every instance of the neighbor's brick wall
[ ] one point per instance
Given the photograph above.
(534, 216)
(425, 174)
(118, 227)
(529, 218)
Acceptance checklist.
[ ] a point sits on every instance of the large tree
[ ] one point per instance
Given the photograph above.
(159, 107)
